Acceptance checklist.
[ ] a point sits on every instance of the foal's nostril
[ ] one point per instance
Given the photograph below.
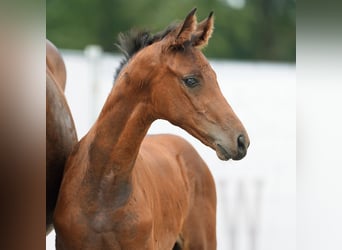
(242, 144)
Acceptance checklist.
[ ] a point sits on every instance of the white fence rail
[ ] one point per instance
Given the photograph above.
(256, 196)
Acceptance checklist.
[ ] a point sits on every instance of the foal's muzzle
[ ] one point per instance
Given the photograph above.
(242, 145)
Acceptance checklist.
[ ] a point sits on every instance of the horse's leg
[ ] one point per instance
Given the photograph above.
(199, 231)
(199, 228)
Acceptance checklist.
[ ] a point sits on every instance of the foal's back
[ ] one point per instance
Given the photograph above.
(185, 186)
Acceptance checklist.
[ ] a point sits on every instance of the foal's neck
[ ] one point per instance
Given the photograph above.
(119, 130)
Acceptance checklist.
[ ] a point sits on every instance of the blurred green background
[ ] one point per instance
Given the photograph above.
(244, 29)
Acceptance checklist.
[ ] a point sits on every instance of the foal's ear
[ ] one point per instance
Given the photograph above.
(183, 33)
(203, 32)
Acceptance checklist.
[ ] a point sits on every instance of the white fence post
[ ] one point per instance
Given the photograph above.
(241, 203)
(93, 54)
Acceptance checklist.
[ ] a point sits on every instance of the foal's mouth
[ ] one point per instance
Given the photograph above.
(210, 141)
(221, 153)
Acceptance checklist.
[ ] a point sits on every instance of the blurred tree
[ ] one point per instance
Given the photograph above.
(244, 29)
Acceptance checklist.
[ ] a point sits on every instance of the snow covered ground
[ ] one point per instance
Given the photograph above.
(257, 195)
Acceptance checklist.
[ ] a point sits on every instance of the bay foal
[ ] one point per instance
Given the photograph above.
(121, 191)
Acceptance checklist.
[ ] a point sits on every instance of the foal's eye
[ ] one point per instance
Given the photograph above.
(190, 81)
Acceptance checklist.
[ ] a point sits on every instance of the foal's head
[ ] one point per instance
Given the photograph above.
(182, 87)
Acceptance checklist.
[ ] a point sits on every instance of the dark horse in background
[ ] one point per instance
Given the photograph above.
(123, 190)
(60, 129)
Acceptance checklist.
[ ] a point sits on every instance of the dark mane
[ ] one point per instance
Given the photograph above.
(135, 40)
